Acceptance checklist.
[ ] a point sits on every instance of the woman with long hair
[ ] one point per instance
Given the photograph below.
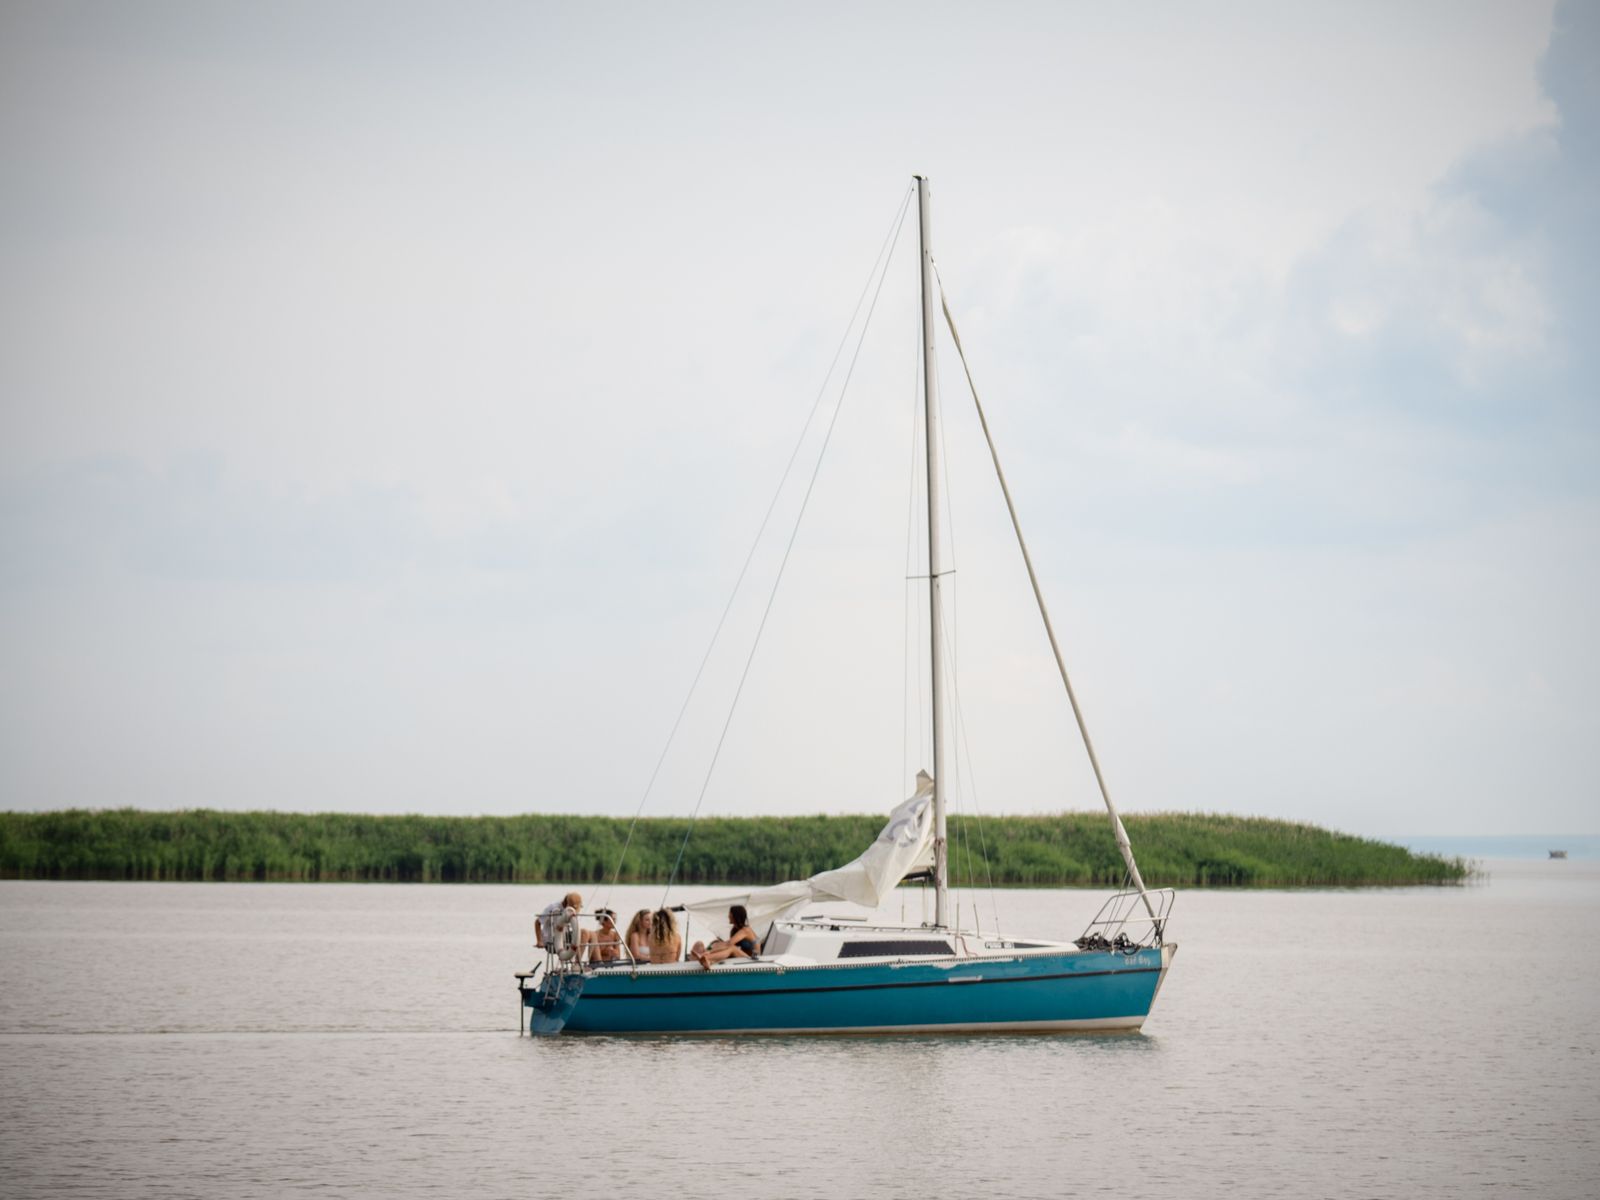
(666, 945)
(638, 936)
(740, 943)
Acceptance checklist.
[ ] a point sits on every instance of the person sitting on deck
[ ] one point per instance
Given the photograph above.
(666, 946)
(605, 944)
(553, 918)
(638, 936)
(741, 943)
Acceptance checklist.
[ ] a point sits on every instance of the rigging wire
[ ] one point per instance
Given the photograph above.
(884, 248)
(947, 637)
(805, 499)
(951, 639)
(909, 609)
(954, 640)
(977, 810)
(948, 496)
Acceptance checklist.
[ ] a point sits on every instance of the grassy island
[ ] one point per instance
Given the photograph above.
(1064, 850)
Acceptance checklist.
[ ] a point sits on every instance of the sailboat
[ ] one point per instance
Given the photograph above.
(821, 973)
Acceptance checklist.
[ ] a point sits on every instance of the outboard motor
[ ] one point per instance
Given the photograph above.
(552, 1002)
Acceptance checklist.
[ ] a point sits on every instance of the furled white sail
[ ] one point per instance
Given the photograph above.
(904, 846)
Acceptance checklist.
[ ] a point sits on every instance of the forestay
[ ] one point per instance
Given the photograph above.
(905, 846)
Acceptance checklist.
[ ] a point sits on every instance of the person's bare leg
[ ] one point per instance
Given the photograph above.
(724, 951)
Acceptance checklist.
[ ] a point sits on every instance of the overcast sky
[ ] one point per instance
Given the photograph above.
(391, 393)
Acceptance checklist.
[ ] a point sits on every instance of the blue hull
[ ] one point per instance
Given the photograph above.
(1036, 992)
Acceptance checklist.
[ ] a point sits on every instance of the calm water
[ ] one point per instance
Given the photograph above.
(202, 1040)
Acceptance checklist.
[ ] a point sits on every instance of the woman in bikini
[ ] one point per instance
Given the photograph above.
(741, 943)
(605, 945)
(666, 945)
(638, 936)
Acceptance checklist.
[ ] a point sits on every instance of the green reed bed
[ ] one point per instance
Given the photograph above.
(1066, 849)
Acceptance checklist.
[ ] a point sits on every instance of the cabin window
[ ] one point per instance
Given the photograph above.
(881, 949)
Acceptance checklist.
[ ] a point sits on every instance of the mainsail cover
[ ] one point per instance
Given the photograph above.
(904, 846)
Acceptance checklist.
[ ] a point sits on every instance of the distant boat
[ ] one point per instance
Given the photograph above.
(814, 973)
(1558, 854)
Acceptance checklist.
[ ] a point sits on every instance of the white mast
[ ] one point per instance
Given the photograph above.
(930, 403)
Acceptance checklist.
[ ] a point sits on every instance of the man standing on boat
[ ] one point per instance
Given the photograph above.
(555, 917)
